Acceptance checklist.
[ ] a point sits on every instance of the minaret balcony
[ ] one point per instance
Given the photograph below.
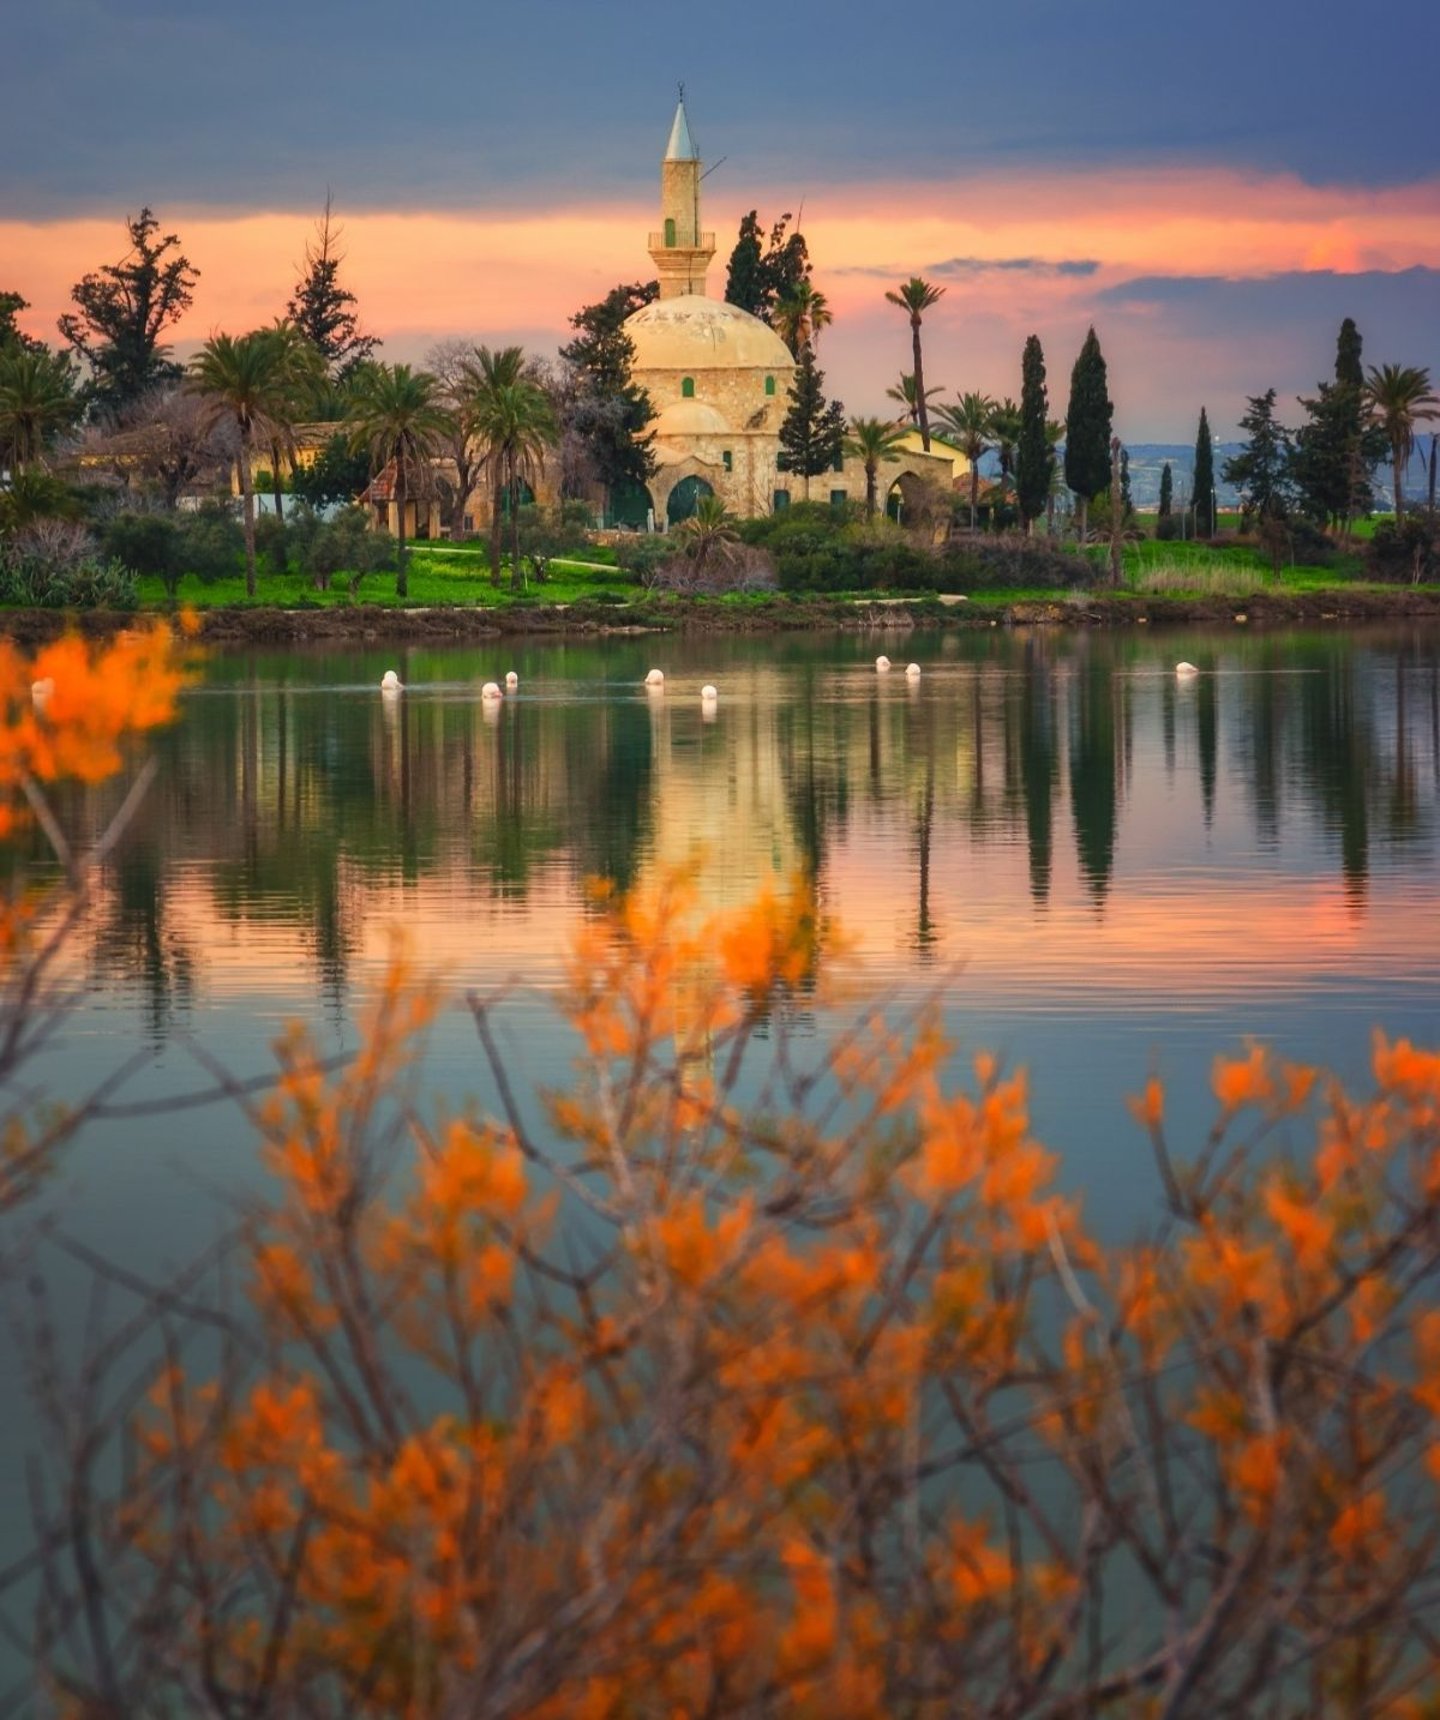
(706, 242)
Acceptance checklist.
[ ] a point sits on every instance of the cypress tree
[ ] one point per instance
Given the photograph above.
(1127, 504)
(745, 279)
(1349, 372)
(1087, 429)
(1204, 480)
(1167, 491)
(813, 432)
(1034, 458)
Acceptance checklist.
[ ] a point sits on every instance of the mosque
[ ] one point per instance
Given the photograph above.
(718, 377)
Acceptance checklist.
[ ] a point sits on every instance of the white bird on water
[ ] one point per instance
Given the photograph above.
(512, 681)
(490, 692)
(881, 665)
(656, 678)
(708, 695)
(390, 682)
(1186, 670)
(912, 671)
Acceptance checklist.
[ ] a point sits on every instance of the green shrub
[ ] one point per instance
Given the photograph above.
(345, 544)
(1404, 551)
(1011, 564)
(32, 580)
(272, 541)
(212, 544)
(147, 544)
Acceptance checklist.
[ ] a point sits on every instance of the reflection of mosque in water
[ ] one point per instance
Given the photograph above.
(1034, 792)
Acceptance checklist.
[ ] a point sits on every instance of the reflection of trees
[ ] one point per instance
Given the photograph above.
(1094, 796)
(1039, 763)
(296, 794)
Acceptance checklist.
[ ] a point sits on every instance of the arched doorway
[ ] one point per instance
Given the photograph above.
(630, 505)
(905, 498)
(685, 498)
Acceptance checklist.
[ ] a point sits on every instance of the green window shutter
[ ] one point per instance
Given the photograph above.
(669, 231)
(729, 460)
(781, 499)
(687, 387)
(838, 498)
(769, 384)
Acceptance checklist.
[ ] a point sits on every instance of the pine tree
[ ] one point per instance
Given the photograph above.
(1261, 470)
(1088, 429)
(1034, 457)
(605, 411)
(323, 310)
(813, 432)
(1204, 503)
(1167, 491)
(123, 309)
(11, 335)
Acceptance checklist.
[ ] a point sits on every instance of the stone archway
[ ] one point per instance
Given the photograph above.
(685, 498)
(904, 495)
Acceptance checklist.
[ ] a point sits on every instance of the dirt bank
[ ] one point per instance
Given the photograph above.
(366, 623)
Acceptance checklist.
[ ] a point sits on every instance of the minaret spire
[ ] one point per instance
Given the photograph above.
(680, 250)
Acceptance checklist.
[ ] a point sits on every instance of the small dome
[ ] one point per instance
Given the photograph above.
(690, 418)
(695, 333)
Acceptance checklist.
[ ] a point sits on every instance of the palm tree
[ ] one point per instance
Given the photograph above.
(916, 297)
(1400, 398)
(481, 376)
(37, 402)
(904, 393)
(301, 387)
(395, 413)
(241, 380)
(708, 535)
(969, 421)
(799, 316)
(1005, 427)
(516, 423)
(871, 441)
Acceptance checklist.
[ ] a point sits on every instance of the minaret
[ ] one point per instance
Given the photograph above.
(681, 252)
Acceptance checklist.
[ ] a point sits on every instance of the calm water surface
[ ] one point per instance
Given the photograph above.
(1100, 869)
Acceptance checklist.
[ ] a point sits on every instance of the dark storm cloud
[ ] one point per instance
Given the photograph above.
(968, 267)
(1396, 309)
(454, 103)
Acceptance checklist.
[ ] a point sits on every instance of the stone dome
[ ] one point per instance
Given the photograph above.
(690, 418)
(694, 333)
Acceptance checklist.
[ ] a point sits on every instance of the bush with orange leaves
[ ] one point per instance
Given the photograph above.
(735, 1383)
(69, 712)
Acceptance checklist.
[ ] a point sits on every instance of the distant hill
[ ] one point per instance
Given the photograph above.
(1147, 459)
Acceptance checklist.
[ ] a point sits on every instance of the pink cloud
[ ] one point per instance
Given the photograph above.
(508, 275)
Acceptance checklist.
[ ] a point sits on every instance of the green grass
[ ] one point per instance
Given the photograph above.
(438, 578)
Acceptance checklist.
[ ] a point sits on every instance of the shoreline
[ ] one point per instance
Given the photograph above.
(367, 623)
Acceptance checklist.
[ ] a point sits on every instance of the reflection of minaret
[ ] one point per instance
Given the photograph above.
(681, 252)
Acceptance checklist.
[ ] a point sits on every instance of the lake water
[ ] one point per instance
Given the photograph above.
(1100, 869)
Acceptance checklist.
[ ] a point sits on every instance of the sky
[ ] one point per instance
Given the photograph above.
(1213, 187)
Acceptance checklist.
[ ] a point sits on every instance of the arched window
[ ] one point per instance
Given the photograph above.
(687, 387)
(769, 384)
(669, 230)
